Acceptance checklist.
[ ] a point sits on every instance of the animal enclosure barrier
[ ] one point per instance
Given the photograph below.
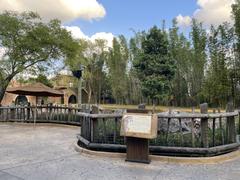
(41, 114)
(179, 134)
(197, 134)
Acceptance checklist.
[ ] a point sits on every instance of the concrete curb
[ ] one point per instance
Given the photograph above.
(166, 159)
(98, 153)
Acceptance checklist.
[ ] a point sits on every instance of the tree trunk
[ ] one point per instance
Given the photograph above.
(99, 94)
(2, 92)
(89, 95)
(3, 87)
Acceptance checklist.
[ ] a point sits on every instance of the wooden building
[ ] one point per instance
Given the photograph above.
(37, 93)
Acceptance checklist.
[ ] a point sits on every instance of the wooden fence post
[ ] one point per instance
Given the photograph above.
(238, 122)
(94, 124)
(204, 126)
(192, 128)
(115, 130)
(86, 128)
(221, 128)
(12, 113)
(35, 115)
(94, 130)
(168, 126)
(231, 131)
(213, 129)
(180, 130)
(83, 127)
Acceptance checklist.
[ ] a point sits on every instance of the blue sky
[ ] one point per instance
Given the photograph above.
(122, 15)
(92, 19)
(104, 19)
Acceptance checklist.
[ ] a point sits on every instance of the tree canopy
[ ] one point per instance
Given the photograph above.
(28, 42)
(154, 65)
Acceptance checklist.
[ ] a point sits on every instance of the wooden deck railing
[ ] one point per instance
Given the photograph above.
(194, 134)
(57, 114)
(208, 134)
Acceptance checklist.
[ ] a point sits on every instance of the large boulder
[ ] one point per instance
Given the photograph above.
(174, 125)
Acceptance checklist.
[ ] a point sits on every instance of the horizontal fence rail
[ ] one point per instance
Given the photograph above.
(33, 114)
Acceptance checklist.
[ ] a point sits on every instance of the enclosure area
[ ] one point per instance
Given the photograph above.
(179, 133)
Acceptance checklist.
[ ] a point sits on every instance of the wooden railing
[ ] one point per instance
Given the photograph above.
(34, 114)
(192, 134)
(208, 134)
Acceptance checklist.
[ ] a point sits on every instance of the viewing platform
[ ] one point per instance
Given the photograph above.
(46, 151)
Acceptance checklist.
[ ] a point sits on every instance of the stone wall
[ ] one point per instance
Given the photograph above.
(9, 98)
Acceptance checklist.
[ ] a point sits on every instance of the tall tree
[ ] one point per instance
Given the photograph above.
(117, 66)
(154, 66)
(180, 51)
(217, 85)
(235, 68)
(236, 16)
(92, 55)
(134, 85)
(199, 59)
(28, 41)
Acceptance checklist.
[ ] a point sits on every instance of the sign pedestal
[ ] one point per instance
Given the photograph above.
(138, 129)
(137, 150)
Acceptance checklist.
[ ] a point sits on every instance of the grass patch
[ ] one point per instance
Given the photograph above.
(158, 108)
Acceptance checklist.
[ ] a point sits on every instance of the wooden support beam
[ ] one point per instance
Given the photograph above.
(204, 126)
(192, 131)
(181, 133)
(213, 128)
(230, 126)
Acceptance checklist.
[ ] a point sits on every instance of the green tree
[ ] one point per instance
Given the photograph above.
(154, 66)
(180, 51)
(41, 78)
(117, 67)
(93, 56)
(134, 86)
(217, 85)
(198, 63)
(28, 42)
(236, 16)
(235, 65)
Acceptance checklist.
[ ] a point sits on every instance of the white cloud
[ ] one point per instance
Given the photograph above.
(78, 34)
(183, 21)
(210, 12)
(64, 10)
(213, 11)
(103, 35)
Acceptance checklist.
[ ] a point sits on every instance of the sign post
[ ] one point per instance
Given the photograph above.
(138, 129)
(78, 74)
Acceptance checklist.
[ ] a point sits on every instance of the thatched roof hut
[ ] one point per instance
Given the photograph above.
(36, 89)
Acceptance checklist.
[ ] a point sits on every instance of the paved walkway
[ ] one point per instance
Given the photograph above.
(46, 152)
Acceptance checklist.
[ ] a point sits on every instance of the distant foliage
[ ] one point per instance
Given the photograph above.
(154, 65)
(168, 67)
(41, 78)
(28, 43)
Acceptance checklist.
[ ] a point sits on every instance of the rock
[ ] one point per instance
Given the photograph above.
(142, 106)
(120, 111)
(174, 125)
